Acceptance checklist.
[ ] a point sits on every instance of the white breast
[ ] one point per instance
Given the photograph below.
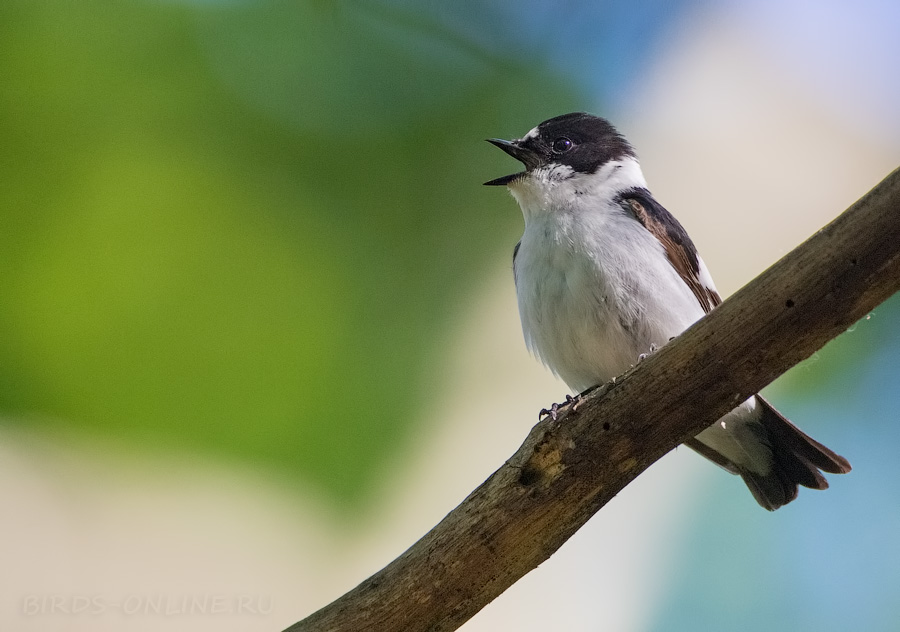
(595, 289)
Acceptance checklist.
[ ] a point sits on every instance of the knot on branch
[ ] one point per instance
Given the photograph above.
(546, 462)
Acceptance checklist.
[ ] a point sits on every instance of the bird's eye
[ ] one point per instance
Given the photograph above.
(562, 145)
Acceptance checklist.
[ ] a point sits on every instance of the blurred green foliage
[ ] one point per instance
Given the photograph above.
(241, 229)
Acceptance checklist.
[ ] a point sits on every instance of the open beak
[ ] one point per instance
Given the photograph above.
(521, 153)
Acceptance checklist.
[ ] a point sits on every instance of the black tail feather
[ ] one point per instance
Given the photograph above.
(786, 435)
(797, 461)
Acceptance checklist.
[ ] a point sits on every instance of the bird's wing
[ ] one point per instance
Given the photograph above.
(678, 245)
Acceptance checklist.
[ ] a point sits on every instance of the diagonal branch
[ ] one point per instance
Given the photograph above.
(568, 469)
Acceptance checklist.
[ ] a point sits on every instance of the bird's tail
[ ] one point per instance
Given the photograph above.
(798, 459)
(791, 457)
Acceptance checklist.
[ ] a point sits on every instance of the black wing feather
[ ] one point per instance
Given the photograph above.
(671, 234)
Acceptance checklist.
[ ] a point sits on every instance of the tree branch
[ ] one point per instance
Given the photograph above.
(568, 469)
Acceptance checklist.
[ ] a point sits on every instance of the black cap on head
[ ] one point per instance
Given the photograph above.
(581, 141)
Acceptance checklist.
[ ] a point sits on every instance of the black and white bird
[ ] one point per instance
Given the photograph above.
(604, 274)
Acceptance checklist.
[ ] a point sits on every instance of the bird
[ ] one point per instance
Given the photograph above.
(605, 274)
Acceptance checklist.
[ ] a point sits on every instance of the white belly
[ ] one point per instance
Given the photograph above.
(591, 305)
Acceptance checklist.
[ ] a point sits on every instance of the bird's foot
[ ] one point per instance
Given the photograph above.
(644, 356)
(553, 412)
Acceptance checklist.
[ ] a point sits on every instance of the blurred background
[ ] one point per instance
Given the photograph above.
(258, 330)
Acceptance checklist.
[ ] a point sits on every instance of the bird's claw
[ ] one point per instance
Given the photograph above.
(643, 356)
(553, 412)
